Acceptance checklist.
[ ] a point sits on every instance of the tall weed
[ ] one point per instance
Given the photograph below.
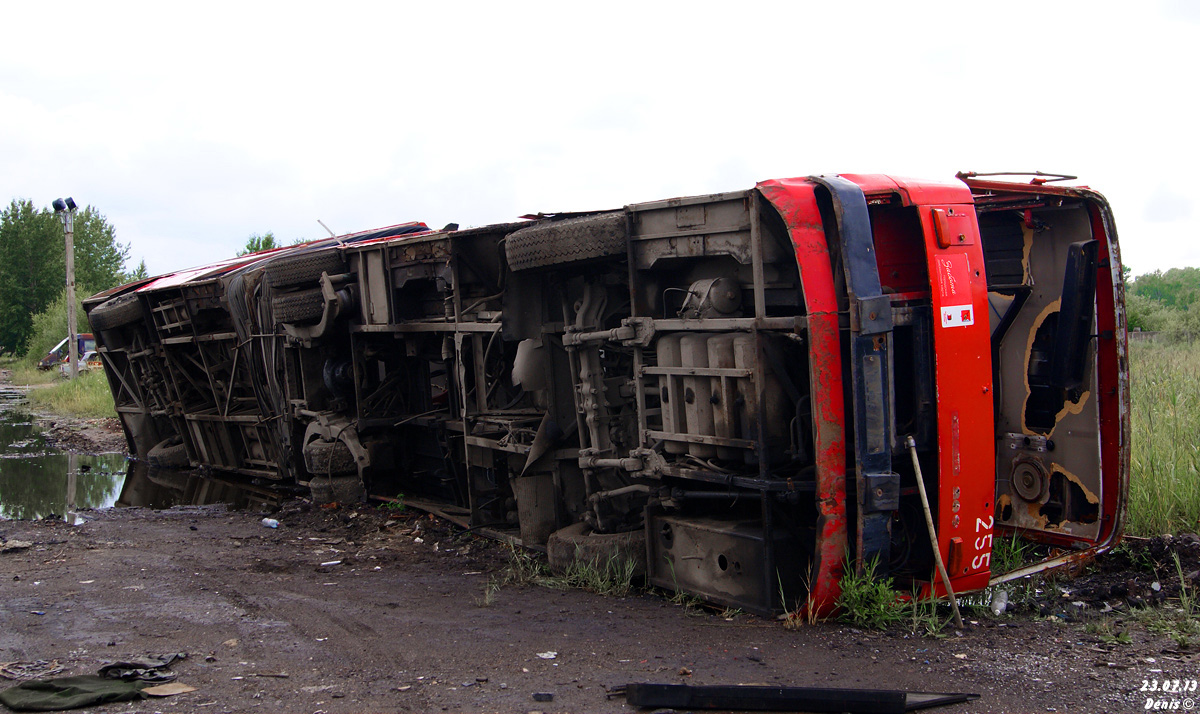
(1164, 489)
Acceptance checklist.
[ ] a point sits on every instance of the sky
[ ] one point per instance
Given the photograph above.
(192, 126)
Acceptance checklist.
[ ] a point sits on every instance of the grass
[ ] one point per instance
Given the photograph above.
(25, 372)
(1109, 631)
(87, 396)
(924, 618)
(613, 577)
(1164, 489)
(1182, 622)
(869, 601)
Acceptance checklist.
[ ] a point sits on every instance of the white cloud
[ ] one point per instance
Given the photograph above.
(192, 127)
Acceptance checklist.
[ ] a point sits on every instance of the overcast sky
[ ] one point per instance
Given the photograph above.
(192, 126)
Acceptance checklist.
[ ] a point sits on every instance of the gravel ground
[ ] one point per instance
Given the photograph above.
(362, 610)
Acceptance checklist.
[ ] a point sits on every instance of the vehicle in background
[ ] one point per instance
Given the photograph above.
(88, 361)
(59, 354)
(739, 391)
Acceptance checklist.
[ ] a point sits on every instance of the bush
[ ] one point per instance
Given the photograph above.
(50, 325)
(868, 600)
(1148, 314)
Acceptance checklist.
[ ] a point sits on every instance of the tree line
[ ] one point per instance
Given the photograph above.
(33, 265)
(1167, 302)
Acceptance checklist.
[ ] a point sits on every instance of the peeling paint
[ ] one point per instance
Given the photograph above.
(1070, 407)
(1091, 497)
(1046, 312)
(1040, 521)
(1027, 234)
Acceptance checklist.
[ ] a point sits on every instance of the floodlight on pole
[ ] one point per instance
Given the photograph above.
(66, 213)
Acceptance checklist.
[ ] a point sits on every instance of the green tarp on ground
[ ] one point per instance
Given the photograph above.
(50, 695)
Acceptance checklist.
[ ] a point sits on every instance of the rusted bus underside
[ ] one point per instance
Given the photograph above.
(720, 387)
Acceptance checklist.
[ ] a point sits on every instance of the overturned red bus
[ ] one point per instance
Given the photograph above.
(738, 390)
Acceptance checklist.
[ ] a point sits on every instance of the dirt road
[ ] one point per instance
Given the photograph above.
(402, 623)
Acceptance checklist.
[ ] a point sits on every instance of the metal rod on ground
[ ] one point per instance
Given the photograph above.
(937, 553)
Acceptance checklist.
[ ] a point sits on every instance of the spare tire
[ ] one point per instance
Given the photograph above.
(301, 306)
(329, 458)
(169, 453)
(570, 240)
(116, 312)
(304, 268)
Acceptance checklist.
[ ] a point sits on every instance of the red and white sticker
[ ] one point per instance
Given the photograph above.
(953, 277)
(958, 315)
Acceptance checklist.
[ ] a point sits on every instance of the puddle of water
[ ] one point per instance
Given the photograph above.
(145, 487)
(37, 481)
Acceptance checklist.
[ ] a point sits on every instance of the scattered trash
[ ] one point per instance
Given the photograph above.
(685, 672)
(331, 562)
(547, 655)
(30, 670)
(168, 690)
(270, 523)
(999, 602)
(86, 582)
(960, 656)
(404, 688)
(115, 682)
(148, 668)
(37, 612)
(543, 696)
(1156, 586)
(12, 546)
(279, 675)
(69, 693)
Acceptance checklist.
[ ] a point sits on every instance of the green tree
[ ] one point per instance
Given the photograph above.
(99, 258)
(1149, 315)
(32, 270)
(138, 273)
(257, 243)
(1177, 288)
(33, 264)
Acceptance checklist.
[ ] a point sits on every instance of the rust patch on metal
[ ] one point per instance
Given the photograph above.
(1087, 493)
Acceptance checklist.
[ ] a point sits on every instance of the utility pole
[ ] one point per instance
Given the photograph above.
(66, 214)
